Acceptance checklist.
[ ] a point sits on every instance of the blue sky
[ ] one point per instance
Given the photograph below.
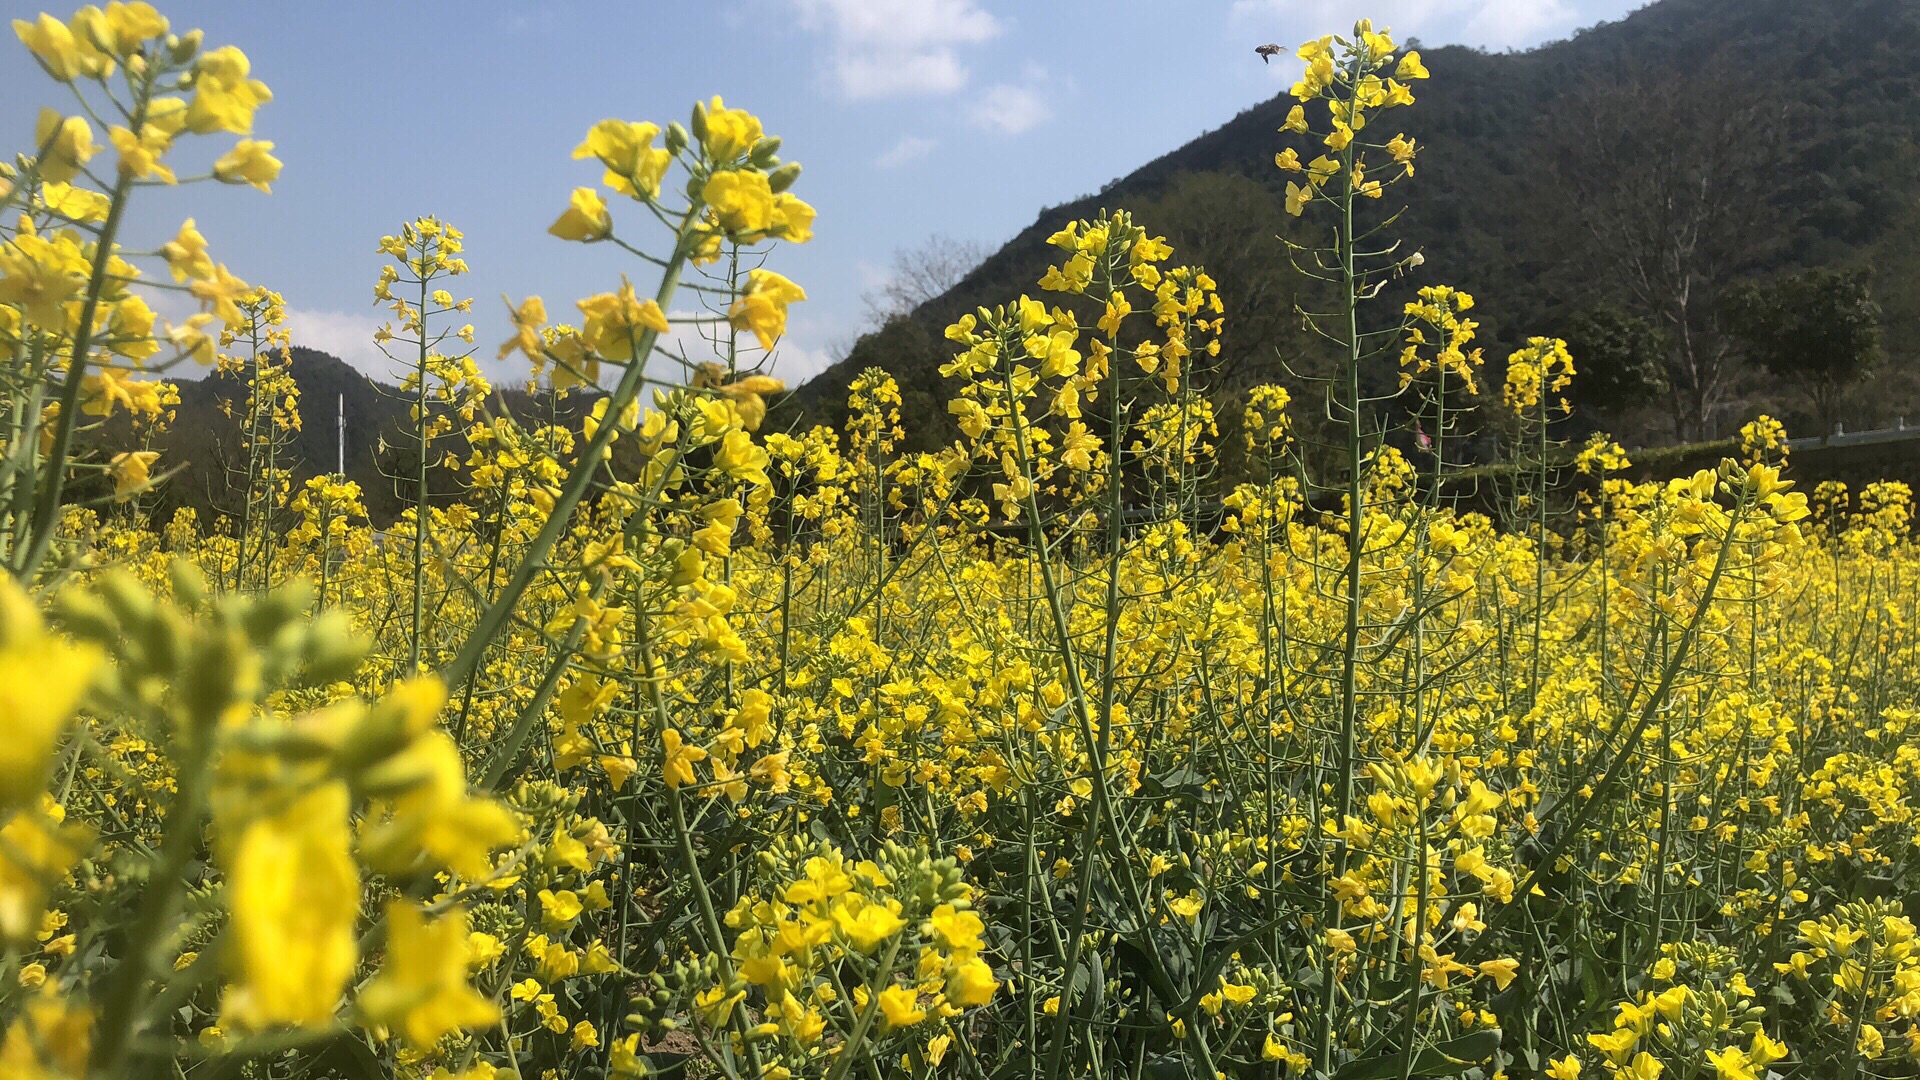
(911, 117)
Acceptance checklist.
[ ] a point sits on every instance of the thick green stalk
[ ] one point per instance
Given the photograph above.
(467, 661)
(47, 509)
(1344, 750)
(421, 428)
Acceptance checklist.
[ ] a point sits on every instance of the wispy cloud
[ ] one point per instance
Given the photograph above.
(1009, 109)
(909, 148)
(347, 335)
(896, 48)
(1493, 24)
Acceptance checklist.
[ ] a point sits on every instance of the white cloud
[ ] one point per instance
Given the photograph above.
(1492, 24)
(798, 355)
(346, 335)
(894, 48)
(1009, 109)
(795, 362)
(908, 149)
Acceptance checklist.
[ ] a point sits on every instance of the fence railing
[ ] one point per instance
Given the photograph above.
(1842, 437)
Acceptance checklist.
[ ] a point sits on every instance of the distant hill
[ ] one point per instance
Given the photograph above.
(203, 437)
(1495, 211)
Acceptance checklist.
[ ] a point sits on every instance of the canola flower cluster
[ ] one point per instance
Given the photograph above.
(652, 741)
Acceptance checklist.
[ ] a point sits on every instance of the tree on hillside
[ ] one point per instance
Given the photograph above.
(1674, 178)
(920, 273)
(1226, 223)
(1819, 330)
(1618, 358)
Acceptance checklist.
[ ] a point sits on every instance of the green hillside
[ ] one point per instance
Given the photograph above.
(1804, 113)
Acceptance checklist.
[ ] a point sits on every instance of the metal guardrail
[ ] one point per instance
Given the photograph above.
(1901, 433)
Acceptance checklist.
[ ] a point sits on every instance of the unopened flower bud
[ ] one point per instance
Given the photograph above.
(783, 177)
(131, 605)
(332, 651)
(189, 584)
(184, 47)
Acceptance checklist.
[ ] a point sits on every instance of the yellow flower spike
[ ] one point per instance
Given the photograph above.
(527, 321)
(586, 218)
(40, 851)
(421, 991)
(1298, 196)
(1731, 1063)
(42, 682)
(53, 44)
(715, 1005)
(792, 219)
(125, 27)
(1501, 971)
(130, 471)
(75, 204)
(866, 925)
(432, 821)
(221, 292)
(742, 203)
(900, 1005)
(224, 96)
(677, 766)
(1566, 1068)
(249, 162)
(749, 400)
(730, 133)
(762, 309)
(558, 910)
(634, 166)
(49, 1039)
(615, 322)
(69, 143)
(294, 893)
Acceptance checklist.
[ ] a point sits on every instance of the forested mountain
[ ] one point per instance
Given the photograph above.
(1558, 186)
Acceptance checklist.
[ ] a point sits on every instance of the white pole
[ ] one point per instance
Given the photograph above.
(343, 435)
